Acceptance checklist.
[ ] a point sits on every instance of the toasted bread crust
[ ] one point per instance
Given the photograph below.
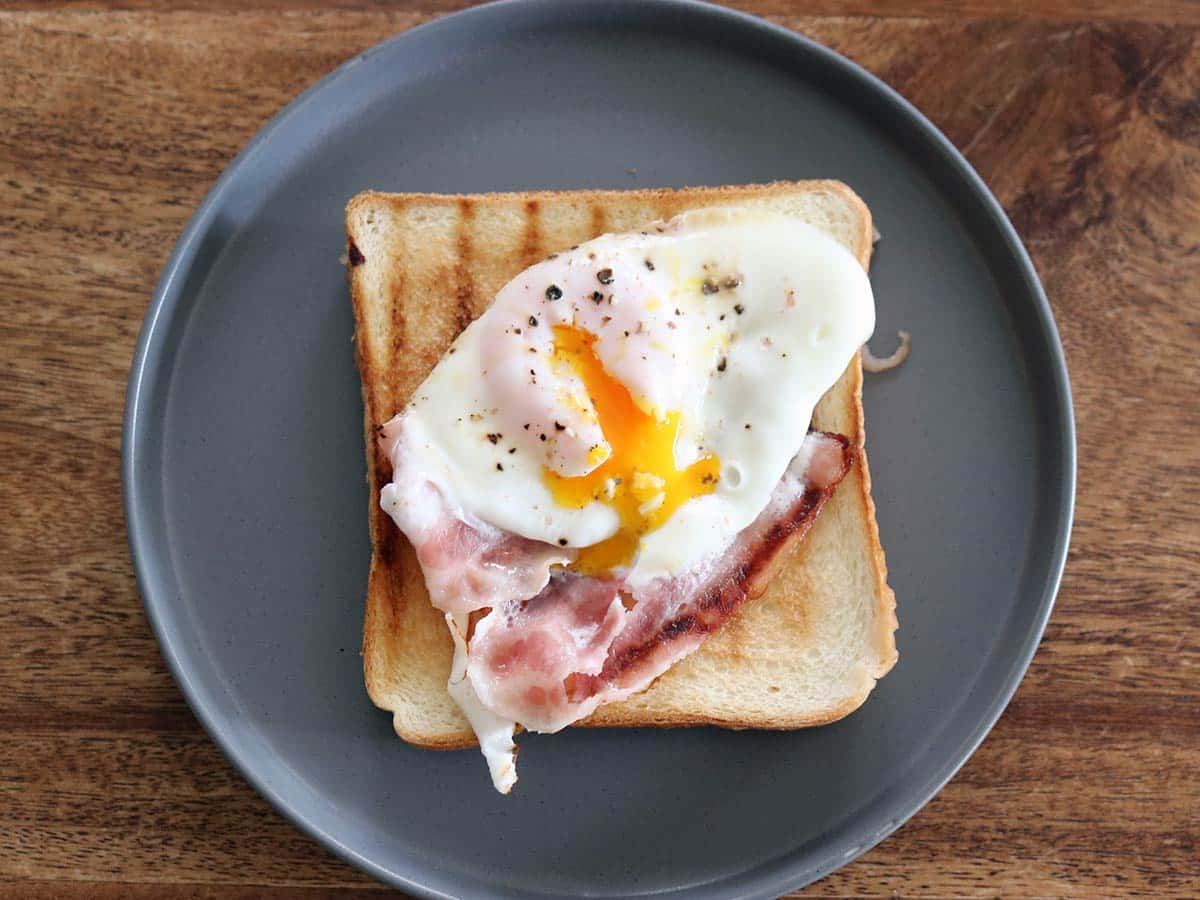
(394, 350)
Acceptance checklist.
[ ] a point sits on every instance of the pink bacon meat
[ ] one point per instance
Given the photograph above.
(548, 645)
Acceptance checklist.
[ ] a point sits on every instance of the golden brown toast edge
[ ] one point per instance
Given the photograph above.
(393, 565)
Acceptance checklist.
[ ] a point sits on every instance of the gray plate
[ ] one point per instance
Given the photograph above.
(243, 455)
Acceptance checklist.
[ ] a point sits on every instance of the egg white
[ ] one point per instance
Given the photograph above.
(740, 322)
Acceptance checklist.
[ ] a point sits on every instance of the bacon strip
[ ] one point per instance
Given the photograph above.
(467, 566)
(553, 645)
(740, 574)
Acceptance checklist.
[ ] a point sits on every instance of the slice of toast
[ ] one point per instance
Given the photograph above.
(422, 267)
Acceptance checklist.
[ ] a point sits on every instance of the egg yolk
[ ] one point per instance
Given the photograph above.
(639, 479)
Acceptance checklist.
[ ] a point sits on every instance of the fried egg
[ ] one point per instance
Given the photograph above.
(638, 397)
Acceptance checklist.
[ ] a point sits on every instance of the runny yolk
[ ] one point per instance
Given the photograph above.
(639, 479)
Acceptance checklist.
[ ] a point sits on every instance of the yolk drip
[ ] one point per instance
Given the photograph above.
(639, 479)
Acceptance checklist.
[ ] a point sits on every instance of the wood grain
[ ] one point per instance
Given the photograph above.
(1180, 11)
(113, 124)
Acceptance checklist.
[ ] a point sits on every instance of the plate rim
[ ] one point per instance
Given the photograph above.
(768, 878)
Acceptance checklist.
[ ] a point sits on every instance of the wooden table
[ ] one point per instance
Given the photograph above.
(114, 123)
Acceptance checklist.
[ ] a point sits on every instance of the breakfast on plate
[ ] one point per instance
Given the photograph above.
(615, 448)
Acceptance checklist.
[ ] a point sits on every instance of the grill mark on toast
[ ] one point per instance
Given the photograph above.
(378, 465)
(385, 546)
(383, 530)
(531, 241)
(465, 289)
(599, 220)
(390, 385)
(397, 288)
(660, 209)
(746, 581)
